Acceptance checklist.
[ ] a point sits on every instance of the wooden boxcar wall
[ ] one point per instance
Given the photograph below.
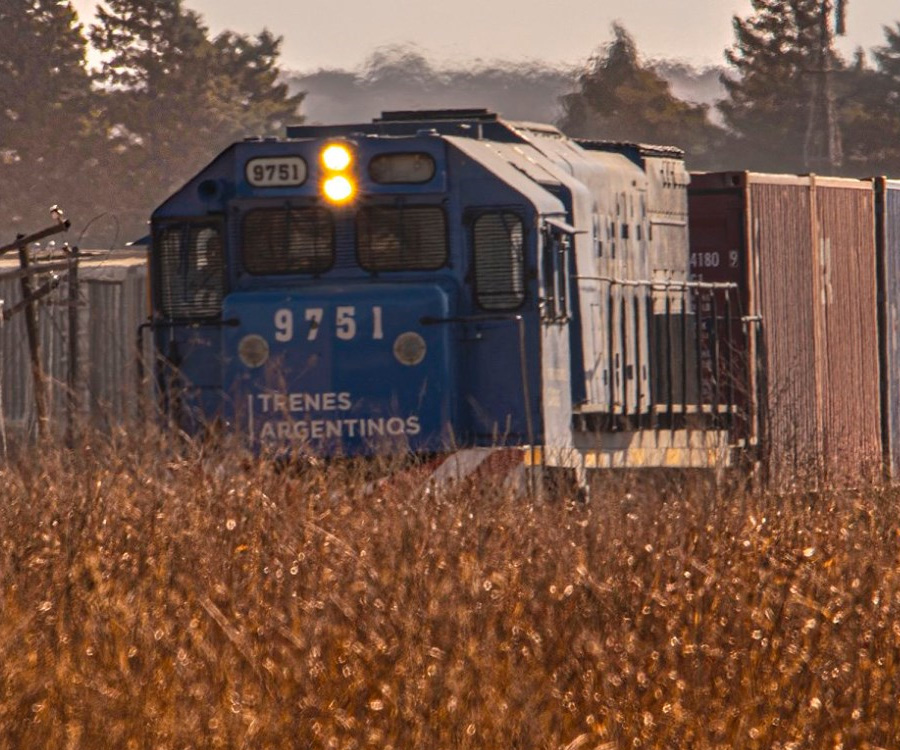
(807, 272)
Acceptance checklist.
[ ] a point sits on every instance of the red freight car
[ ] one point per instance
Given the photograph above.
(802, 249)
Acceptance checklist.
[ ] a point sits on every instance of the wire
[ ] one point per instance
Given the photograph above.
(115, 220)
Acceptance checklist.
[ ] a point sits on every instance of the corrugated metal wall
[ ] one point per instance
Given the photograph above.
(112, 304)
(781, 239)
(848, 361)
(888, 195)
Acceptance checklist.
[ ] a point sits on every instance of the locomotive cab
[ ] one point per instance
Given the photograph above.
(353, 323)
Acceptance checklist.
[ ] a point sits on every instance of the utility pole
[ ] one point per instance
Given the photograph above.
(823, 150)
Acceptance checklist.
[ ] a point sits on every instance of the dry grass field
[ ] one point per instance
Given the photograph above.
(154, 598)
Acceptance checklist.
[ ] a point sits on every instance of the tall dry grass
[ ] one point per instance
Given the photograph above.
(162, 598)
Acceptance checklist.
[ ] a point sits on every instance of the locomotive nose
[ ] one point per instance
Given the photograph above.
(342, 370)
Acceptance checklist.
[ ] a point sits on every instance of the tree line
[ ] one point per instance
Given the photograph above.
(109, 141)
(161, 96)
(764, 120)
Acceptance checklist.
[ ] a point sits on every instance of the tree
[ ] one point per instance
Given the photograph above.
(45, 113)
(888, 58)
(259, 101)
(621, 98)
(172, 97)
(777, 55)
(876, 111)
(869, 119)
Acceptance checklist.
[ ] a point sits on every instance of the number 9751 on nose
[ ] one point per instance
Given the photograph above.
(314, 322)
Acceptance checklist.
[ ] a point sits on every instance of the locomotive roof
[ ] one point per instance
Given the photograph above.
(536, 149)
(512, 174)
(481, 123)
(645, 149)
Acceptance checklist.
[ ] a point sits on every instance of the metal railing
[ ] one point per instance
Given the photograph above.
(694, 341)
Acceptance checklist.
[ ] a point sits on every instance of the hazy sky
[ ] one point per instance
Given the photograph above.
(342, 34)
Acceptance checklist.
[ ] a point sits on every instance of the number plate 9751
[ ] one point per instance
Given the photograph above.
(276, 171)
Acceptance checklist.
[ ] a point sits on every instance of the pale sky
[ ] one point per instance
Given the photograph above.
(342, 33)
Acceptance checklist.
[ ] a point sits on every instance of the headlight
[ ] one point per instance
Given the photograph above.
(336, 157)
(338, 184)
(338, 189)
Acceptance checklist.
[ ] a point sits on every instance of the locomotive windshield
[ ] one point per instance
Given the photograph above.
(288, 240)
(412, 238)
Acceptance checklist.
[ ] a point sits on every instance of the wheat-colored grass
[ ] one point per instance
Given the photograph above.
(155, 597)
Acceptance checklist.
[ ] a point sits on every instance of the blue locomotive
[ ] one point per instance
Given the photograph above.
(437, 280)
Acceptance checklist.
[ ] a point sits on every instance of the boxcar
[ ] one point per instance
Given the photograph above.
(803, 251)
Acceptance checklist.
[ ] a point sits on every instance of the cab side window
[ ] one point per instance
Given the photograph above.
(499, 253)
(191, 271)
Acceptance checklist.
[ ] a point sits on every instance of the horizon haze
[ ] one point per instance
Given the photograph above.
(343, 36)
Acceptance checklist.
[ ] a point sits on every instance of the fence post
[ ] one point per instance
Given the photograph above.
(34, 344)
(73, 382)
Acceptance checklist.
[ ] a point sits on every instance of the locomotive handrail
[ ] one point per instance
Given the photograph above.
(429, 320)
(154, 324)
(664, 284)
(562, 226)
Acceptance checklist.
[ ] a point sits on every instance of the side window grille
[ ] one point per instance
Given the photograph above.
(410, 238)
(499, 261)
(192, 276)
(287, 240)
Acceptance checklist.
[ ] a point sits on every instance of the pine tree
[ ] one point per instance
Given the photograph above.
(888, 59)
(621, 98)
(44, 114)
(173, 98)
(876, 113)
(251, 84)
(154, 82)
(776, 58)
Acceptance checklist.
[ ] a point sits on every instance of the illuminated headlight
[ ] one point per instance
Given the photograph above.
(409, 348)
(253, 350)
(338, 189)
(336, 157)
